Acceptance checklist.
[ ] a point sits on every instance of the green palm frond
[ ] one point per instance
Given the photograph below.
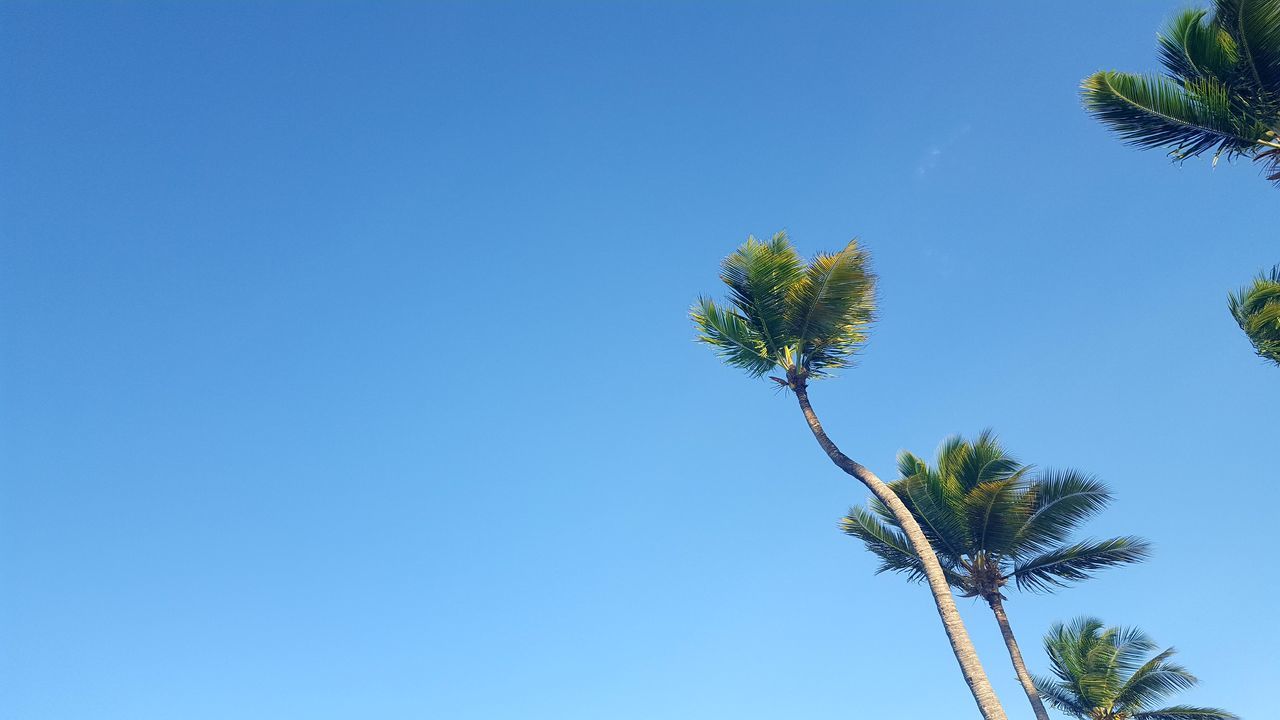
(995, 512)
(1155, 679)
(1130, 645)
(1061, 501)
(733, 337)
(1073, 563)
(909, 464)
(983, 461)
(951, 456)
(886, 542)
(1059, 697)
(1188, 119)
(1070, 649)
(1185, 712)
(937, 510)
(760, 275)
(1254, 25)
(1192, 47)
(831, 307)
(1256, 309)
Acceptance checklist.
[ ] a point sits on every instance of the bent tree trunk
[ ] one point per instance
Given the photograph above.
(961, 645)
(1037, 706)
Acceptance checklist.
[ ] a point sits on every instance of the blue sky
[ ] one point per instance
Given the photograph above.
(347, 372)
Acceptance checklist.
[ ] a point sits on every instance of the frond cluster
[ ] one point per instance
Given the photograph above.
(1256, 308)
(1104, 672)
(808, 318)
(992, 519)
(1220, 93)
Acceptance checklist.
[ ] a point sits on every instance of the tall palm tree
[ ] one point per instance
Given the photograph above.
(806, 320)
(993, 520)
(1257, 309)
(1099, 674)
(1221, 90)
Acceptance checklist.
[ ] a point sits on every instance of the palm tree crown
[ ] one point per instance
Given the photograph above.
(1221, 90)
(805, 318)
(992, 519)
(1099, 673)
(1257, 309)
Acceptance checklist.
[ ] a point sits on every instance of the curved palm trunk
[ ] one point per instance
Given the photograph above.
(1037, 706)
(961, 645)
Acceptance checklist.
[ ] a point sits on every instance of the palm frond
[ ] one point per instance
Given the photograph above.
(1155, 679)
(830, 307)
(1254, 25)
(1073, 563)
(909, 464)
(938, 511)
(885, 541)
(995, 511)
(1070, 647)
(951, 456)
(1061, 501)
(984, 460)
(1130, 645)
(735, 340)
(1189, 119)
(1060, 696)
(1185, 712)
(760, 276)
(1192, 47)
(1256, 308)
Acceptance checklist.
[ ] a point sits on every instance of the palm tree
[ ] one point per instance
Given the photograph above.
(807, 320)
(1257, 309)
(992, 520)
(1099, 674)
(1221, 91)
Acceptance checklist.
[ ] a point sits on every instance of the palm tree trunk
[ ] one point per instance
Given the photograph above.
(961, 645)
(1037, 706)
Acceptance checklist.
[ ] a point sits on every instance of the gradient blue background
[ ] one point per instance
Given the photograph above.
(346, 370)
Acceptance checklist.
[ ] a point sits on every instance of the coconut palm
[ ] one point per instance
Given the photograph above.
(993, 520)
(1099, 673)
(1257, 309)
(1221, 90)
(805, 320)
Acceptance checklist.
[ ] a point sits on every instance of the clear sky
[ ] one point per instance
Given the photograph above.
(347, 371)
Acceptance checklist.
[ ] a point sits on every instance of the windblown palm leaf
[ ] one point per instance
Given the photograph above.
(1257, 309)
(1099, 673)
(805, 318)
(1222, 92)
